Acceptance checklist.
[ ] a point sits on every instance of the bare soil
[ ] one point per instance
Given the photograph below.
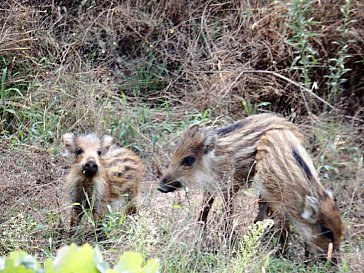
(30, 177)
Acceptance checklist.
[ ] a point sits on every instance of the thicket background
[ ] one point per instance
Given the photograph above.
(143, 71)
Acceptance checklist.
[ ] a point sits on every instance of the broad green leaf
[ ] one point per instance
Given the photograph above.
(102, 267)
(129, 262)
(152, 266)
(48, 266)
(74, 259)
(21, 262)
(111, 271)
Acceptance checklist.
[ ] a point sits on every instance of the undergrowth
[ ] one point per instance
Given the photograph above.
(143, 71)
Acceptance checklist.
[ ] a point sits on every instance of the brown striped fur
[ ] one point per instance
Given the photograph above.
(224, 159)
(221, 152)
(113, 178)
(287, 180)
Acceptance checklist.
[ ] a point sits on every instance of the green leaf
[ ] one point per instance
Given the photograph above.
(74, 259)
(129, 262)
(11, 111)
(48, 266)
(3, 81)
(16, 90)
(102, 267)
(111, 271)
(20, 262)
(264, 103)
(152, 266)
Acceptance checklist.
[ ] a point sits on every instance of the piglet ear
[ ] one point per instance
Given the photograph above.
(107, 141)
(210, 142)
(68, 140)
(311, 209)
(192, 130)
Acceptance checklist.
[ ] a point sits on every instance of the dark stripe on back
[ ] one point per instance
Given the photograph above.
(118, 154)
(232, 127)
(302, 163)
(119, 161)
(127, 170)
(261, 129)
(245, 135)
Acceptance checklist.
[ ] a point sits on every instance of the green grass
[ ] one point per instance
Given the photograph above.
(17, 232)
(178, 250)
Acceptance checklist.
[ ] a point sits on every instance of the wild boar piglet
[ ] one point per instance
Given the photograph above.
(219, 160)
(102, 173)
(269, 149)
(290, 187)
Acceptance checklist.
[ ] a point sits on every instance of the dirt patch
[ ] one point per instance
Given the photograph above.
(30, 178)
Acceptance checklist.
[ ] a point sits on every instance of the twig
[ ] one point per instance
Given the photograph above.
(15, 48)
(14, 104)
(282, 77)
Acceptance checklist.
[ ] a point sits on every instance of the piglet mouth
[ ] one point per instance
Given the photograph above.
(169, 187)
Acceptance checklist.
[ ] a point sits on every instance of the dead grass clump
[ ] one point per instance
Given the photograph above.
(17, 38)
(200, 55)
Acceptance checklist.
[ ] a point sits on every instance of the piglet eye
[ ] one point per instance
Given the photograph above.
(188, 161)
(99, 152)
(78, 151)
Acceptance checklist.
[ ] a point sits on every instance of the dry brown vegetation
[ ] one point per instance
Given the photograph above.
(144, 70)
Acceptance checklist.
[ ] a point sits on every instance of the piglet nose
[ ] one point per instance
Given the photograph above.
(90, 168)
(91, 165)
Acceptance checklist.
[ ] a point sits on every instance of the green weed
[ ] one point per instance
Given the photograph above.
(251, 109)
(23, 119)
(337, 65)
(149, 77)
(250, 247)
(300, 23)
